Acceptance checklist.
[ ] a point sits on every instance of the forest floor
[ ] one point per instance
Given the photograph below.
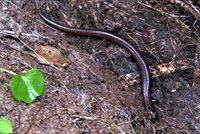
(92, 86)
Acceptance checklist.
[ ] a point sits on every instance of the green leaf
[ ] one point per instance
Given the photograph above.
(5, 126)
(27, 87)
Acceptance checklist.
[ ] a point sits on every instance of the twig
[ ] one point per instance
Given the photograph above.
(19, 123)
(33, 119)
(196, 77)
(27, 35)
(167, 14)
(162, 12)
(188, 7)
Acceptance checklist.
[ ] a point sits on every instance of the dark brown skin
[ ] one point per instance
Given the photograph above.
(144, 72)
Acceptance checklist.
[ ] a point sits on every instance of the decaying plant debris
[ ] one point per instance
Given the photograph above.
(95, 86)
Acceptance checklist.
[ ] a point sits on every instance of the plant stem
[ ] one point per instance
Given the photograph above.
(8, 71)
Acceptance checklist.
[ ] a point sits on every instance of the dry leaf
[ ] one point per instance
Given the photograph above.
(50, 55)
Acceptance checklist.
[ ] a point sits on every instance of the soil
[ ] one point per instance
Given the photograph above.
(92, 85)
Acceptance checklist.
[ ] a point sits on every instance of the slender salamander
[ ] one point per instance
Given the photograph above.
(144, 72)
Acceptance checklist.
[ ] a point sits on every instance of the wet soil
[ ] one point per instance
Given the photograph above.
(98, 89)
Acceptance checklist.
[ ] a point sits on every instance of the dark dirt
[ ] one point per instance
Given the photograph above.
(99, 91)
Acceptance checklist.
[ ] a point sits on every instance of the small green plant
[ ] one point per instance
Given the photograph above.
(5, 126)
(26, 87)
